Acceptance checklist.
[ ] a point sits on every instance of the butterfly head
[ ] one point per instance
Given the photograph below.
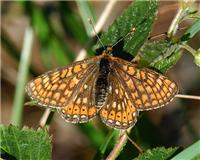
(108, 51)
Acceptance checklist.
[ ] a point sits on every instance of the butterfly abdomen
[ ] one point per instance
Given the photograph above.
(101, 85)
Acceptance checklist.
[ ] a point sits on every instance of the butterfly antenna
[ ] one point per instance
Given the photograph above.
(92, 24)
(132, 30)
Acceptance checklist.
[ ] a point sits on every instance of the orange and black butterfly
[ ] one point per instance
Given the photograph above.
(111, 87)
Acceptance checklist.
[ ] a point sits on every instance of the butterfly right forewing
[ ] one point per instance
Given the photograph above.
(147, 89)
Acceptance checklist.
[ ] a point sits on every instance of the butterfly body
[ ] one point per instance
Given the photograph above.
(113, 88)
(102, 82)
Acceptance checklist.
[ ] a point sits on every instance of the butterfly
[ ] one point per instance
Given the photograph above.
(108, 86)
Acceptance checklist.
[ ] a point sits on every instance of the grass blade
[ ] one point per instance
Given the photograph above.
(22, 77)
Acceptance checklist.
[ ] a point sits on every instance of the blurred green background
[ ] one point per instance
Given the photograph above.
(61, 30)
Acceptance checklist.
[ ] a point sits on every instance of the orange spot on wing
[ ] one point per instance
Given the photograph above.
(84, 110)
(76, 109)
(111, 115)
(77, 68)
(63, 74)
(124, 117)
(38, 81)
(92, 111)
(118, 116)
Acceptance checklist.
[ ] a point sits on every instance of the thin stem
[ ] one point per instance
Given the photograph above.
(44, 118)
(189, 49)
(174, 25)
(187, 96)
(119, 145)
(135, 144)
(22, 77)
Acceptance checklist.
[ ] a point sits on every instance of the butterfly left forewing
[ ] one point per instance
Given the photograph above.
(54, 88)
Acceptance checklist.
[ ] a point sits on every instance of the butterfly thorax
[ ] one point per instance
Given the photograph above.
(101, 84)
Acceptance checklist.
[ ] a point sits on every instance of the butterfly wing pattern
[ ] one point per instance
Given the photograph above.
(118, 112)
(147, 89)
(111, 87)
(67, 89)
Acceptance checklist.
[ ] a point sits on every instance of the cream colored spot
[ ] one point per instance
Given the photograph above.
(168, 94)
(85, 86)
(126, 95)
(116, 91)
(114, 104)
(53, 102)
(46, 79)
(117, 123)
(78, 101)
(173, 85)
(85, 100)
(119, 107)
(159, 82)
(125, 67)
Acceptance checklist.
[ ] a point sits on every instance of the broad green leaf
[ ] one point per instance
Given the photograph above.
(159, 153)
(139, 15)
(25, 143)
(164, 64)
(160, 55)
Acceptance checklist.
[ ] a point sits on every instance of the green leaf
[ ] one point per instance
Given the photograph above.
(168, 62)
(25, 143)
(139, 15)
(192, 152)
(159, 153)
(160, 55)
(191, 31)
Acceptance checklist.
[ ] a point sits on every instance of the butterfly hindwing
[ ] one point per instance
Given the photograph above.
(118, 111)
(81, 107)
